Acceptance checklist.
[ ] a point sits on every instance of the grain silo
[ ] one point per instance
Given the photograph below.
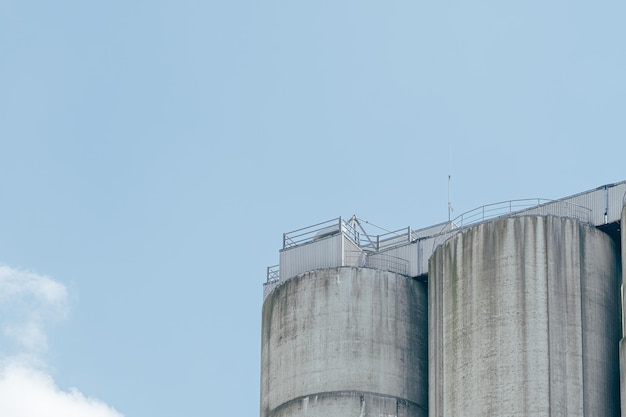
(510, 309)
(622, 343)
(345, 340)
(524, 320)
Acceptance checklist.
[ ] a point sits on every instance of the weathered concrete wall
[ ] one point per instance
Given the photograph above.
(524, 321)
(345, 342)
(349, 404)
(622, 343)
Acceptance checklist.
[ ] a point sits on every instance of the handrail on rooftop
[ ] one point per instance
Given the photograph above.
(311, 233)
(352, 228)
(540, 206)
(273, 274)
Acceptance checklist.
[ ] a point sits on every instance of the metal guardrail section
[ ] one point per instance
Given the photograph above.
(312, 233)
(511, 208)
(387, 263)
(388, 240)
(353, 229)
(273, 274)
(377, 260)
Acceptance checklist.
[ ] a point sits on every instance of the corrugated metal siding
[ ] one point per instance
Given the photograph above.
(353, 255)
(597, 201)
(425, 248)
(429, 231)
(395, 241)
(393, 259)
(616, 201)
(324, 253)
(593, 200)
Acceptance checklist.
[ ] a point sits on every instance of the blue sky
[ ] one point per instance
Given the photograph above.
(153, 152)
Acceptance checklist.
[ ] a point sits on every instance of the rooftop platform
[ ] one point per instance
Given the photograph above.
(359, 243)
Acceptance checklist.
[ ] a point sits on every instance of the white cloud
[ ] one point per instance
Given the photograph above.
(26, 392)
(29, 336)
(27, 302)
(14, 282)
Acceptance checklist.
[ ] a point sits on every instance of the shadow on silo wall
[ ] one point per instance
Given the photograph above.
(622, 343)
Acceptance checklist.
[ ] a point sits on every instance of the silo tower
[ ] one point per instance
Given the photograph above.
(524, 320)
(622, 344)
(344, 326)
(511, 309)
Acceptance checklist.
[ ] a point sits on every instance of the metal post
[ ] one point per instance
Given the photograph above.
(449, 203)
(606, 204)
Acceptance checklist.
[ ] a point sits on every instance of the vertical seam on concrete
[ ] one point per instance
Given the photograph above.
(342, 247)
(548, 300)
(581, 266)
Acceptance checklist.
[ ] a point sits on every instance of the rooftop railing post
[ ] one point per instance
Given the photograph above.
(284, 240)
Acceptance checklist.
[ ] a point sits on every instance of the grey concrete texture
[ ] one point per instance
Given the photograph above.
(524, 320)
(333, 338)
(622, 377)
(622, 344)
(349, 404)
(623, 247)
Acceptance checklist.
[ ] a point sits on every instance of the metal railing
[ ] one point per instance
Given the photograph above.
(512, 208)
(375, 243)
(273, 274)
(387, 262)
(353, 229)
(381, 261)
(312, 233)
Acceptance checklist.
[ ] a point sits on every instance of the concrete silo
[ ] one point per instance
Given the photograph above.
(345, 341)
(524, 320)
(622, 343)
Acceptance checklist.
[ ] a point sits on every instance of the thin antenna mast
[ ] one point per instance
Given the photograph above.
(449, 203)
(449, 179)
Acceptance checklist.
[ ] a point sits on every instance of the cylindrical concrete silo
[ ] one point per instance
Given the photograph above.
(524, 321)
(345, 342)
(622, 343)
